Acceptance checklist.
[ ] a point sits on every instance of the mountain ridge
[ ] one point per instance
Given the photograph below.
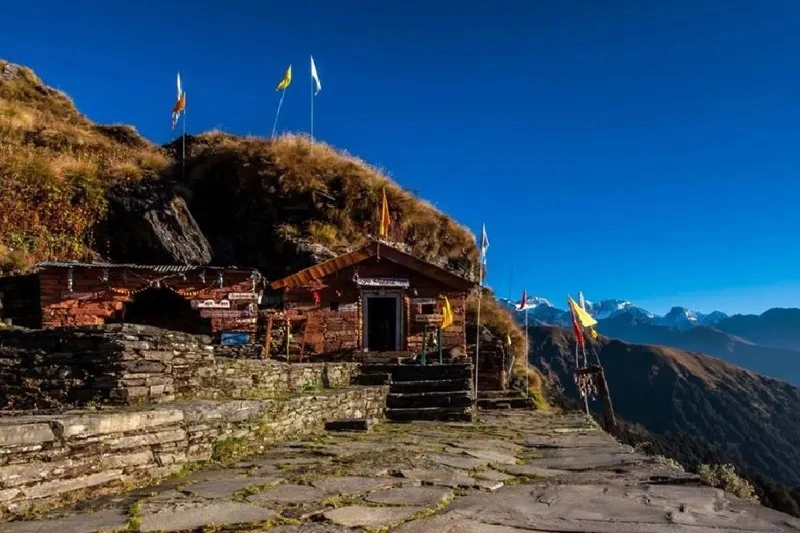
(752, 415)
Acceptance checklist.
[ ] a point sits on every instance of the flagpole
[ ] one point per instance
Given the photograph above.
(478, 328)
(312, 108)
(183, 147)
(280, 103)
(527, 347)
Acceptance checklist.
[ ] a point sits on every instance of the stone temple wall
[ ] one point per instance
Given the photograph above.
(49, 458)
(127, 364)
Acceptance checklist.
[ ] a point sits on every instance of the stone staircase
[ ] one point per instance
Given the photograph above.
(508, 399)
(425, 392)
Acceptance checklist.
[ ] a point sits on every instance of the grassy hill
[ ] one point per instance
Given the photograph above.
(274, 204)
(666, 390)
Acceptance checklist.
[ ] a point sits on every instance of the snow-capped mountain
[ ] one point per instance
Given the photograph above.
(678, 318)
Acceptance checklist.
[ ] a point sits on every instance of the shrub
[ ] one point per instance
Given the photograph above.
(725, 477)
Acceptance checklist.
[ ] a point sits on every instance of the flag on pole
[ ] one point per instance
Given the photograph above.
(315, 77)
(180, 105)
(386, 221)
(583, 317)
(287, 79)
(447, 313)
(576, 328)
(581, 300)
(484, 245)
(524, 303)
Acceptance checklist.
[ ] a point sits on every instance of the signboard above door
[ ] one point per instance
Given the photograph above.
(211, 304)
(395, 283)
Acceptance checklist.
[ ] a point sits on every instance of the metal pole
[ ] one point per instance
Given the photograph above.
(478, 333)
(312, 108)
(424, 342)
(439, 341)
(527, 347)
(183, 147)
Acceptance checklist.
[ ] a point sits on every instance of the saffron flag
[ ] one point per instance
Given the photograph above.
(386, 221)
(583, 317)
(447, 313)
(287, 79)
(180, 105)
(576, 329)
(315, 77)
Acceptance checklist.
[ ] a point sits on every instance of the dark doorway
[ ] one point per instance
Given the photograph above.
(381, 323)
(163, 308)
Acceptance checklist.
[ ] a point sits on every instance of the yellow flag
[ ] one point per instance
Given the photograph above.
(447, 313)
(287, 79)
(583, 317)
(386, 221)
(508, 339)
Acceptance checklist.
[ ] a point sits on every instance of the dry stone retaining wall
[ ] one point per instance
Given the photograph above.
(46, 458)
(128, 364)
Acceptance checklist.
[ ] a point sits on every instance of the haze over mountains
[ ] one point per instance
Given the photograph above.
(768, 343)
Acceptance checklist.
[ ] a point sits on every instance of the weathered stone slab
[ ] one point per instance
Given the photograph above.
(50, 488)
(116, 422)
(443, 478)
(589, 461)
(311, 527)
(492, 475)
(356, 424)
(452, 523)
(371, 517)
(25, 434)
(456, 461)
(413, 496)
(492, 456)
(105, 520)
(290, 494)
(489, 444)
(179, 516)
(532, 470)
(222, 488)
(353, 484)
(600, 509)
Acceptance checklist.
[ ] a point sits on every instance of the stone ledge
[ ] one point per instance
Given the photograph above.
(46, 460)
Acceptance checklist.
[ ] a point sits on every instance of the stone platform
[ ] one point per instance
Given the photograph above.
(511, 472)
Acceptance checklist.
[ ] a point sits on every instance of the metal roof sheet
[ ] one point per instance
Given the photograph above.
(134, 266)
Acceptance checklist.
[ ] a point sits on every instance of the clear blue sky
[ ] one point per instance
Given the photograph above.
(628, 149)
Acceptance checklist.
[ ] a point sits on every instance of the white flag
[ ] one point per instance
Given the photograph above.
(315, 77)
(484, 244)
(581, 301)
(179, 85)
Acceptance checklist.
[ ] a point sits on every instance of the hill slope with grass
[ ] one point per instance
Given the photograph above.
(278, 205)
(668, 391)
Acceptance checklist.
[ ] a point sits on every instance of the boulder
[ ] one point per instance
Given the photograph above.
(149, 223)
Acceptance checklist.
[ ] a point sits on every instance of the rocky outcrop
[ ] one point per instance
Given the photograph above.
(148, 223)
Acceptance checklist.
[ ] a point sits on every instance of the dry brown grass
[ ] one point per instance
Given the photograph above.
(342, 194)
(55, 166)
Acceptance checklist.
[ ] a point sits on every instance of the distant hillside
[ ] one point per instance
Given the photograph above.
(668, 390)
(776, 327)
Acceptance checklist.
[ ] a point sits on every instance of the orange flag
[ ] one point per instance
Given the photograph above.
(386, 221)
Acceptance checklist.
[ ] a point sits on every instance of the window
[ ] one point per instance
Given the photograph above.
(334, 305)
(428, 309)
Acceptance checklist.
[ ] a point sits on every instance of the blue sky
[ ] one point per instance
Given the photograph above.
(641, 150)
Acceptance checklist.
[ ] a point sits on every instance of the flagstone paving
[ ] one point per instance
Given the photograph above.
(510, 472)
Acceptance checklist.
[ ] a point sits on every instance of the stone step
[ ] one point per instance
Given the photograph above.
(452, 414)
(430, 399)
(420, 372)
(371, 379)
(431, 385)
(499, 394)
(505, 403)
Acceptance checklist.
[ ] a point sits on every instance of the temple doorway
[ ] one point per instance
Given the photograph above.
(382, 326)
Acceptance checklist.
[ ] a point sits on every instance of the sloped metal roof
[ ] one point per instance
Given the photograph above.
(134, 266)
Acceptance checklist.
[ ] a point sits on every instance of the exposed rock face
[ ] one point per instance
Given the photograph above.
(148, 223)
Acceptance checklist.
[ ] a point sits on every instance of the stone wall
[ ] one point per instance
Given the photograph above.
(120, 364)
(254, 378)
(49, 459)
(129, 364)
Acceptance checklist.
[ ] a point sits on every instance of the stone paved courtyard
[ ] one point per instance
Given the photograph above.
(511, 472)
